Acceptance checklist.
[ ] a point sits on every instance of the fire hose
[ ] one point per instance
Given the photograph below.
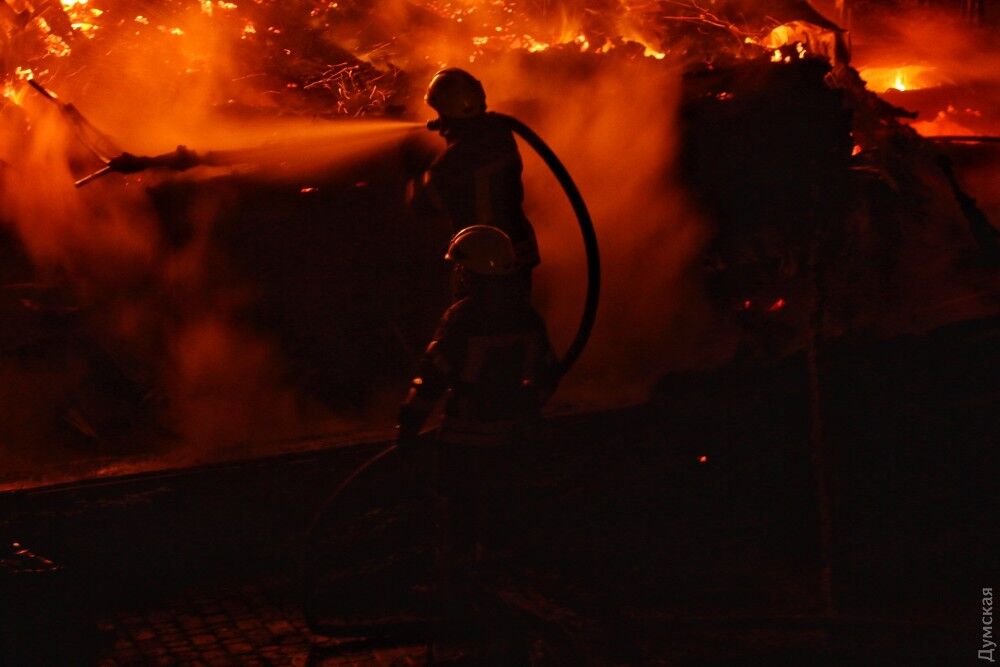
(586, 229)
(572, 353)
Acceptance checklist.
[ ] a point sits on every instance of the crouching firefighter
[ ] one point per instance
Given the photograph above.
(477, 179)
(491, 355)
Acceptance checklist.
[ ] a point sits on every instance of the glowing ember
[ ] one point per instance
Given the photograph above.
(55, 44)
(910, 77)
(703, 459)
(12, 94)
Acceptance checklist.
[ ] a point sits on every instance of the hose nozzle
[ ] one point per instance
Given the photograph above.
(434, 125)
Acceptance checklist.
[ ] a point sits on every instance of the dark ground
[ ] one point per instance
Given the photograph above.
(634, 551)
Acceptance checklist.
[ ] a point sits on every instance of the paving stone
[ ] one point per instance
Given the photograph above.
(280, 627)
(262, 634)
(214, 657)
(239, 648)
(204, 640)
(258, 636)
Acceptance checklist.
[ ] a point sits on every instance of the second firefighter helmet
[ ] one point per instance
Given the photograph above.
(454, 93)
(483, 250)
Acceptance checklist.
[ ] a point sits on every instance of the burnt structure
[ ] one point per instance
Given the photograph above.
(816, 195)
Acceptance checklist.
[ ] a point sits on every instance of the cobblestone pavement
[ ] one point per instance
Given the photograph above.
(236, 626)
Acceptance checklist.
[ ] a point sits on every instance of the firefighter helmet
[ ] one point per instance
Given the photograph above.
(454, 93)
(484, 250)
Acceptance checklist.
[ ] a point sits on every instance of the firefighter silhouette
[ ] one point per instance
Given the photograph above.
(477, 179)
(492, 357)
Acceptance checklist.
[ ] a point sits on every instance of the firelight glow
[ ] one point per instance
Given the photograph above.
(901, 78)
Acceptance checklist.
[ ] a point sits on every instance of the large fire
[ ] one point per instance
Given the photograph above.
(48, 32)
(257, 79)
(603, 82)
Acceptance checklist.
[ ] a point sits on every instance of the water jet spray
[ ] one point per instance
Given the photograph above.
(340, 136)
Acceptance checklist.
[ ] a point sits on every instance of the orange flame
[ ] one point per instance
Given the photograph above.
(907, 77)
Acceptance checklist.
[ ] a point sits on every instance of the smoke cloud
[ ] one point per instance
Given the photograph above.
(612, 121)
(170, 316)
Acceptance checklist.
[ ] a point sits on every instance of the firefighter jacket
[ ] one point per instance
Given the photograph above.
(491, 355)
(477, 181)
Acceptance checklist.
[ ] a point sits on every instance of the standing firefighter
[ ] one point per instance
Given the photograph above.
(477, 180)
(491, 355)
(491, 351)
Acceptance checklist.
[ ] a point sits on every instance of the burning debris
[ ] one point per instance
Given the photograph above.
(349, 58)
